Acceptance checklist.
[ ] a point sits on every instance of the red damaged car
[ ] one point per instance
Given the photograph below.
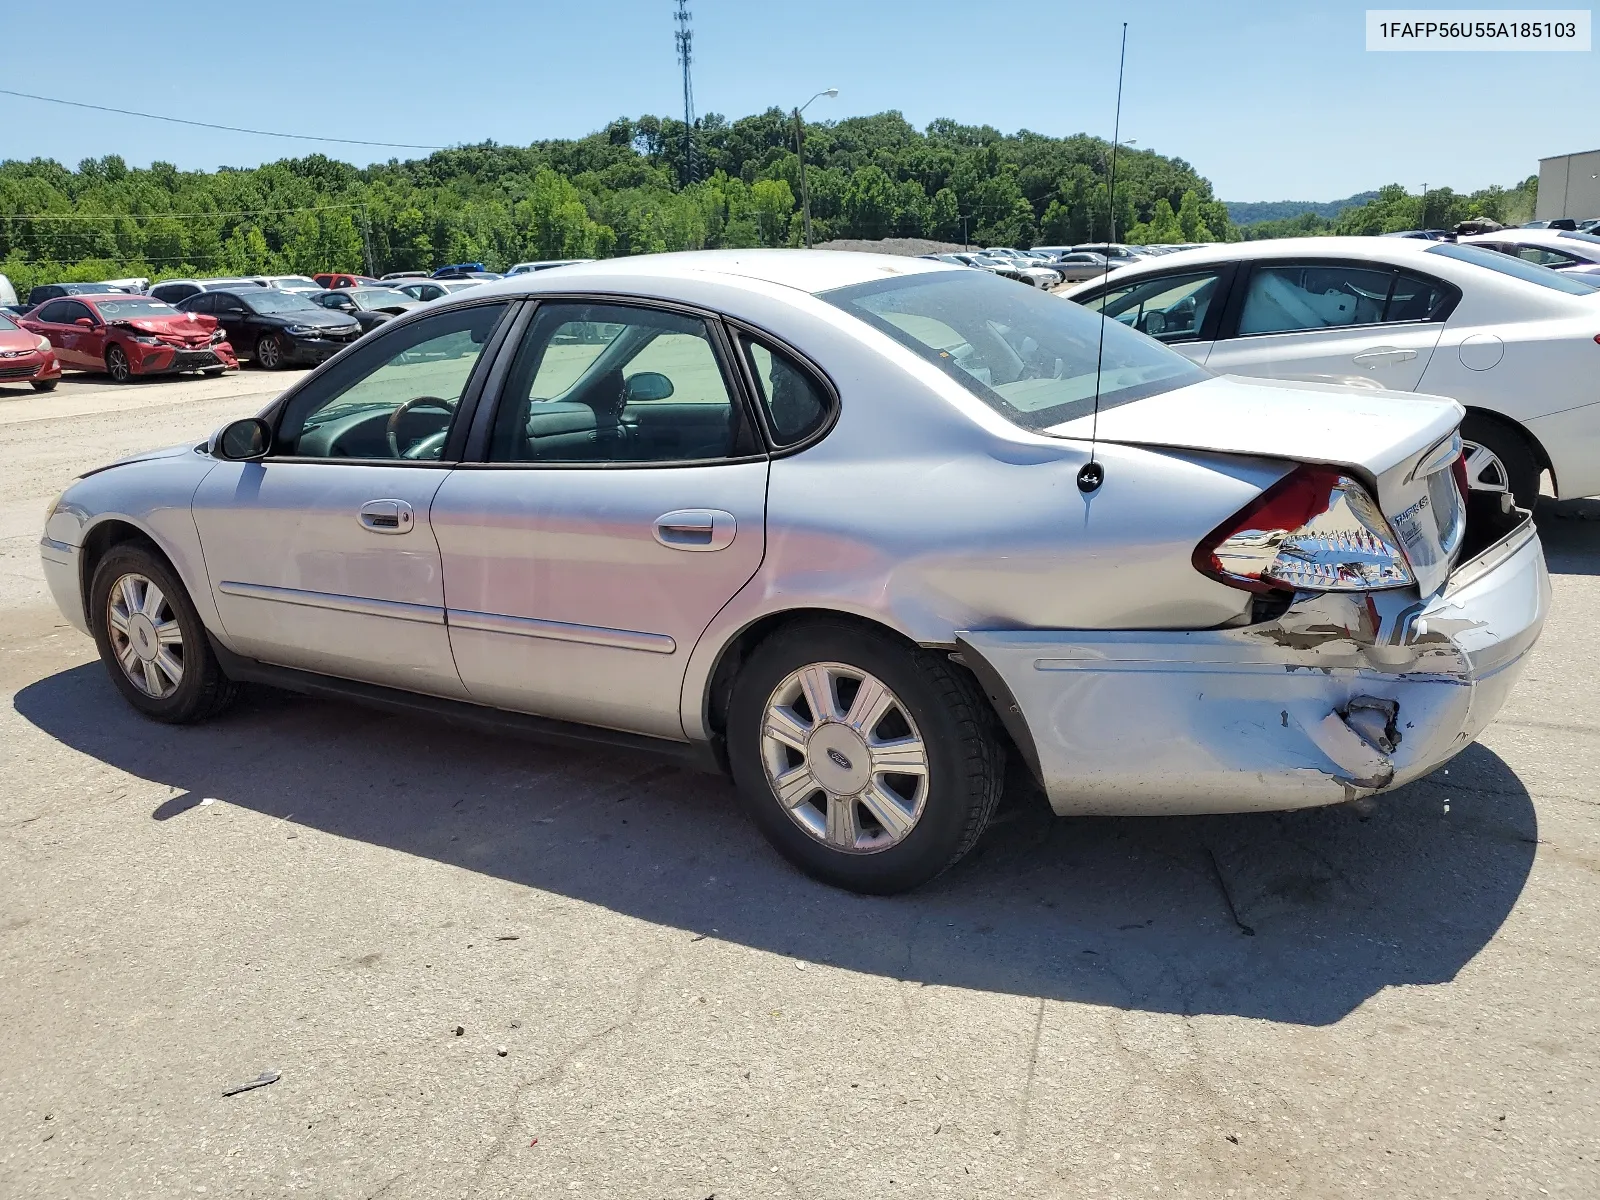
(26, 357)
(126, 335)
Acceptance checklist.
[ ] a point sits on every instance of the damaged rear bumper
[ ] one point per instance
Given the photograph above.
(1342, 696)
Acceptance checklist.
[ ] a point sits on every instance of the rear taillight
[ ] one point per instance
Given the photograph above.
(1458, 472)
(1315, 530)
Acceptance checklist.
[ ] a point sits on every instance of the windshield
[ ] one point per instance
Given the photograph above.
(380, 297)
(269, 300)
(1027, 354)
(122, 310)
(1507, 264)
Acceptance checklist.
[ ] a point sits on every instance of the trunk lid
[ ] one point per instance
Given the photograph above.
(1397, 442)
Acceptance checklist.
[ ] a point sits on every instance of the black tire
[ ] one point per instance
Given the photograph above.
(1512, 448)
(966, 765)
(203, 691)
(45, 385)
(213, 372)
(118, 366)
(269, 352)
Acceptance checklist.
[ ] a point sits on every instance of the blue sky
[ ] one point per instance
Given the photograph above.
(1269, 101)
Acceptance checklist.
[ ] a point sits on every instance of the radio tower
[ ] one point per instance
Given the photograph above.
(685, 40)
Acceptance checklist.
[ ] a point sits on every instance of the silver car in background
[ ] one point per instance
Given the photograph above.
(854, 528)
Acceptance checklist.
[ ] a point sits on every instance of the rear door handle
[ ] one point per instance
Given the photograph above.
(386, 516)
(1382, 355)
(696, 529)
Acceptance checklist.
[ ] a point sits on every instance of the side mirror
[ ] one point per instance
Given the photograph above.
(242, 441)
(84, 322)
(647, 385)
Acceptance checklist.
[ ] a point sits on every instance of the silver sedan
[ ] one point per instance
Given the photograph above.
(854, 528)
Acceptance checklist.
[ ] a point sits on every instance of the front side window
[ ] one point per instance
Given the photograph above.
(795, 405)
(603, 383)
(394, 399)
(1020, 350)
(1170, 309)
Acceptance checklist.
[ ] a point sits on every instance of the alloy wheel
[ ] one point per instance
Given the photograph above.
(844, 758)
(1485, 471)
(268, 353)
(117, 364)
(145, 636)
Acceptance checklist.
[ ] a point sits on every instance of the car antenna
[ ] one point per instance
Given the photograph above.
(1091, 475)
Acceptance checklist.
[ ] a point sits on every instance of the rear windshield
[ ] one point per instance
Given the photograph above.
(1027, 354)
(121, 310)
(1508, 264)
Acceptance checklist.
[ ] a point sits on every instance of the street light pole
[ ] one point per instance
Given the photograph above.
(800, 153)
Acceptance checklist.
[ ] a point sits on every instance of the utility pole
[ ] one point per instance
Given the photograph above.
(366, 238)
(685, 42)
(800, 153)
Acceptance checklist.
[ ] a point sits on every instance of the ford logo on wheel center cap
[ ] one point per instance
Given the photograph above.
(839, 760)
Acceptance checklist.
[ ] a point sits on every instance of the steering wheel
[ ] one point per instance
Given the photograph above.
(391, 430)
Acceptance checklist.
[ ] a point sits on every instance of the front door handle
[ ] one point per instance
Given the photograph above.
(696, 529)
(386, 516)
(1380, 356)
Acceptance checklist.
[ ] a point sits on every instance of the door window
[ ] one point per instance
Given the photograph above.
(595, 383)
(205, 302)
(71, 310)
(1171, 308)
(1308, 296)
(56, 313)
(1545, 257)
(396, 398)
(795, 405)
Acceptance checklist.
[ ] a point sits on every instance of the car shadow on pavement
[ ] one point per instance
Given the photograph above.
(1570, 533)
(1296, 917)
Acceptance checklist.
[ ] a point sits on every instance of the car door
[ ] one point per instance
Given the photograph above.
(1180, 308)
(233, 315)
(1330, 321)
(320, 556)
(51, 321)
(77, 341)
(620, 505)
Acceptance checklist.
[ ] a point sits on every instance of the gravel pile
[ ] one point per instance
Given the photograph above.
(910, 247)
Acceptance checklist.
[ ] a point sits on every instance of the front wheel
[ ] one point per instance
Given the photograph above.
(152, 640)
(868, 764)
(118, 366)
(45, 385)
(269, 352)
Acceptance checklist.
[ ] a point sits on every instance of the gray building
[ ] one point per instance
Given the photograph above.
(1569, 186)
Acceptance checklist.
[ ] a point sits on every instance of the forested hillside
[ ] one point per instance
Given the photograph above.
(1393, 208)
(622, 190)
(1249, 212)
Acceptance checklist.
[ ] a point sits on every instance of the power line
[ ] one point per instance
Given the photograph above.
(302, 137)
(241, 212)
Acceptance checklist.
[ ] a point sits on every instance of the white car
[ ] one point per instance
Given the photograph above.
(1513, 342)
(1562, 249)
(528, 268)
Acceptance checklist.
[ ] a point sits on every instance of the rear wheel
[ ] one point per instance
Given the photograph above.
(45, 385)
(117, 365)
(269, 352)
(1500, 459)
(868, 764)
(152, 640)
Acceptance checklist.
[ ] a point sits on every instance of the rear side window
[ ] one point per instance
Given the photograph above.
(1294, 297)
(55, 313)
(795, 405)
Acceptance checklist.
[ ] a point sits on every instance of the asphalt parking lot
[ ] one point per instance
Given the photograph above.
(491, 968)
